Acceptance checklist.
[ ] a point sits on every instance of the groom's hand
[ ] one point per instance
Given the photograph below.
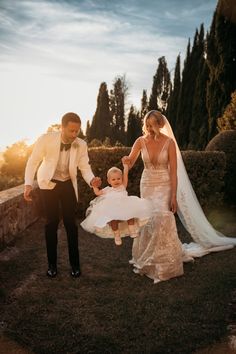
(96, 182)
(27, 192)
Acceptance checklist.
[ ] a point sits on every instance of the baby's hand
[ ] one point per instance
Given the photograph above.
(96, 182)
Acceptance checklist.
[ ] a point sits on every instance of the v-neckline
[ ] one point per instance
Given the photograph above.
(158, 155)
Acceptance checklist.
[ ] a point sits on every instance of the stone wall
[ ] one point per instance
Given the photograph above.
(16, 214)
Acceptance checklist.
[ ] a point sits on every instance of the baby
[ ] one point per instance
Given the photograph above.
(113, 213)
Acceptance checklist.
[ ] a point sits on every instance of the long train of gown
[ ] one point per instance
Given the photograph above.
(157, 252)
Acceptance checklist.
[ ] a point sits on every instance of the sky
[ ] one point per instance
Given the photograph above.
(55, 54)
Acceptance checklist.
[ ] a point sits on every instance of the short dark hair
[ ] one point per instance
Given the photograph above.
(70, 117)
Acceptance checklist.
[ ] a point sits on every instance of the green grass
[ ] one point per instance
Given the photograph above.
(110, 309)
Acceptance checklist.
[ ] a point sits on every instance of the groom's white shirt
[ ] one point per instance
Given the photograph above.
(47, 150)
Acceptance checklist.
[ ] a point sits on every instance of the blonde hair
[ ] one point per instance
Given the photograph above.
(113, 170)
(156, 115)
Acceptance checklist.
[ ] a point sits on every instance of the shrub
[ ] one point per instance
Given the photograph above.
(226, 141)
(205, 169)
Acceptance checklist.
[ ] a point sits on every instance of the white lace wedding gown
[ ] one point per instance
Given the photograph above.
(157, 252)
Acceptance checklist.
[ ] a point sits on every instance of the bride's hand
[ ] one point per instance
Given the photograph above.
(173, 205)
(126, 160)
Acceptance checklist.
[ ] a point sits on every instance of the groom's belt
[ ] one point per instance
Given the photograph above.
(58, 181)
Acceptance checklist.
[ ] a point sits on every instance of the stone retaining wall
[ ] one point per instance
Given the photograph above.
(16, 214)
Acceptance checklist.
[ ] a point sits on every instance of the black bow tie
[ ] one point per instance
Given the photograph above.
(65, 146)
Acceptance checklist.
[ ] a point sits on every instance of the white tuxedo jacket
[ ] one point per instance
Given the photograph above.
(46, 150)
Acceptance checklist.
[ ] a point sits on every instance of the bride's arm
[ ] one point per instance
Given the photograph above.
(173, 175)
(134, 153)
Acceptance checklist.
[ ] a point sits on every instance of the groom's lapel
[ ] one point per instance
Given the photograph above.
(57, 146)
(73, 156)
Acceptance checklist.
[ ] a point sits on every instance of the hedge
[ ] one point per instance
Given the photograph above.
(205, 169)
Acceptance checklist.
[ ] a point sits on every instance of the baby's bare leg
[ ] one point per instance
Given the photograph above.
(115, 228)
(133, 231)
(130, 221)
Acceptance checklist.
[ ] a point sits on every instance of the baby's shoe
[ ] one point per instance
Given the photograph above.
(118, 240)
(133, 231)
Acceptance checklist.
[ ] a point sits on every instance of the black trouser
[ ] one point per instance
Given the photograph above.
(62, 195)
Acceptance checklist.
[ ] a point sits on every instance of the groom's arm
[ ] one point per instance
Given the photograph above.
(84, 165)
(31, 166)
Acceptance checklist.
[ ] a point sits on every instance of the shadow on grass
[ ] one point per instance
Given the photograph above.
(110, 309)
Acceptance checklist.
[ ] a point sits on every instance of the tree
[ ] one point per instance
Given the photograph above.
(118, 96)
(54, 128)
(221, 59)
(101, 123)
(87, 131)
(15, 157)
(144, 105)
(134, 126)
(198, 129)
(228, 120)
(161, 87)
(173, 101)
(188, 88)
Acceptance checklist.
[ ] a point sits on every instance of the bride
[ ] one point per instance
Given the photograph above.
(158, 252)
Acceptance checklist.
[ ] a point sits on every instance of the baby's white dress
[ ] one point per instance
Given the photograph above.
(115, 204)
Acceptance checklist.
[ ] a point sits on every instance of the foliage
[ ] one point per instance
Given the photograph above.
(221, 59)
(161, 87)
(189, 118)
(54, 128)
(15, 158)
(134, 126)
(226, 141)
(95, 143)
(118, 97)
(144, 105)
(101, 125)
(173, 101)
(206, 172)
(7, 182)
(228, 120)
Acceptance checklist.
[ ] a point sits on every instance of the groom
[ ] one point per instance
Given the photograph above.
(60, 154)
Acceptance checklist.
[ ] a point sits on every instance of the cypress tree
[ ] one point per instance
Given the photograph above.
(173, 101)
(198, 130)
(87, 131)
(161, 87)
(221, 59)
(180, 129)
(144, 104)
(189, 79)
(134, 126)
(117, 104)
(101, 123)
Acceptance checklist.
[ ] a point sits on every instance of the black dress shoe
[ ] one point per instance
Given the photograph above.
(52, 271)
(75, 272)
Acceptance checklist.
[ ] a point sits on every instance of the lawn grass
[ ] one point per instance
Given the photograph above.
(110, 309)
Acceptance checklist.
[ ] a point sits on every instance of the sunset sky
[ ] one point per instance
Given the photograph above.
(55, 54)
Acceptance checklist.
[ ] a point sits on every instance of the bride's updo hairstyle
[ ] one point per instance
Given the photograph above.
(153, 114)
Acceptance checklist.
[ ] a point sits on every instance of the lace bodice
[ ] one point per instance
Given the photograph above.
(161, 160)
